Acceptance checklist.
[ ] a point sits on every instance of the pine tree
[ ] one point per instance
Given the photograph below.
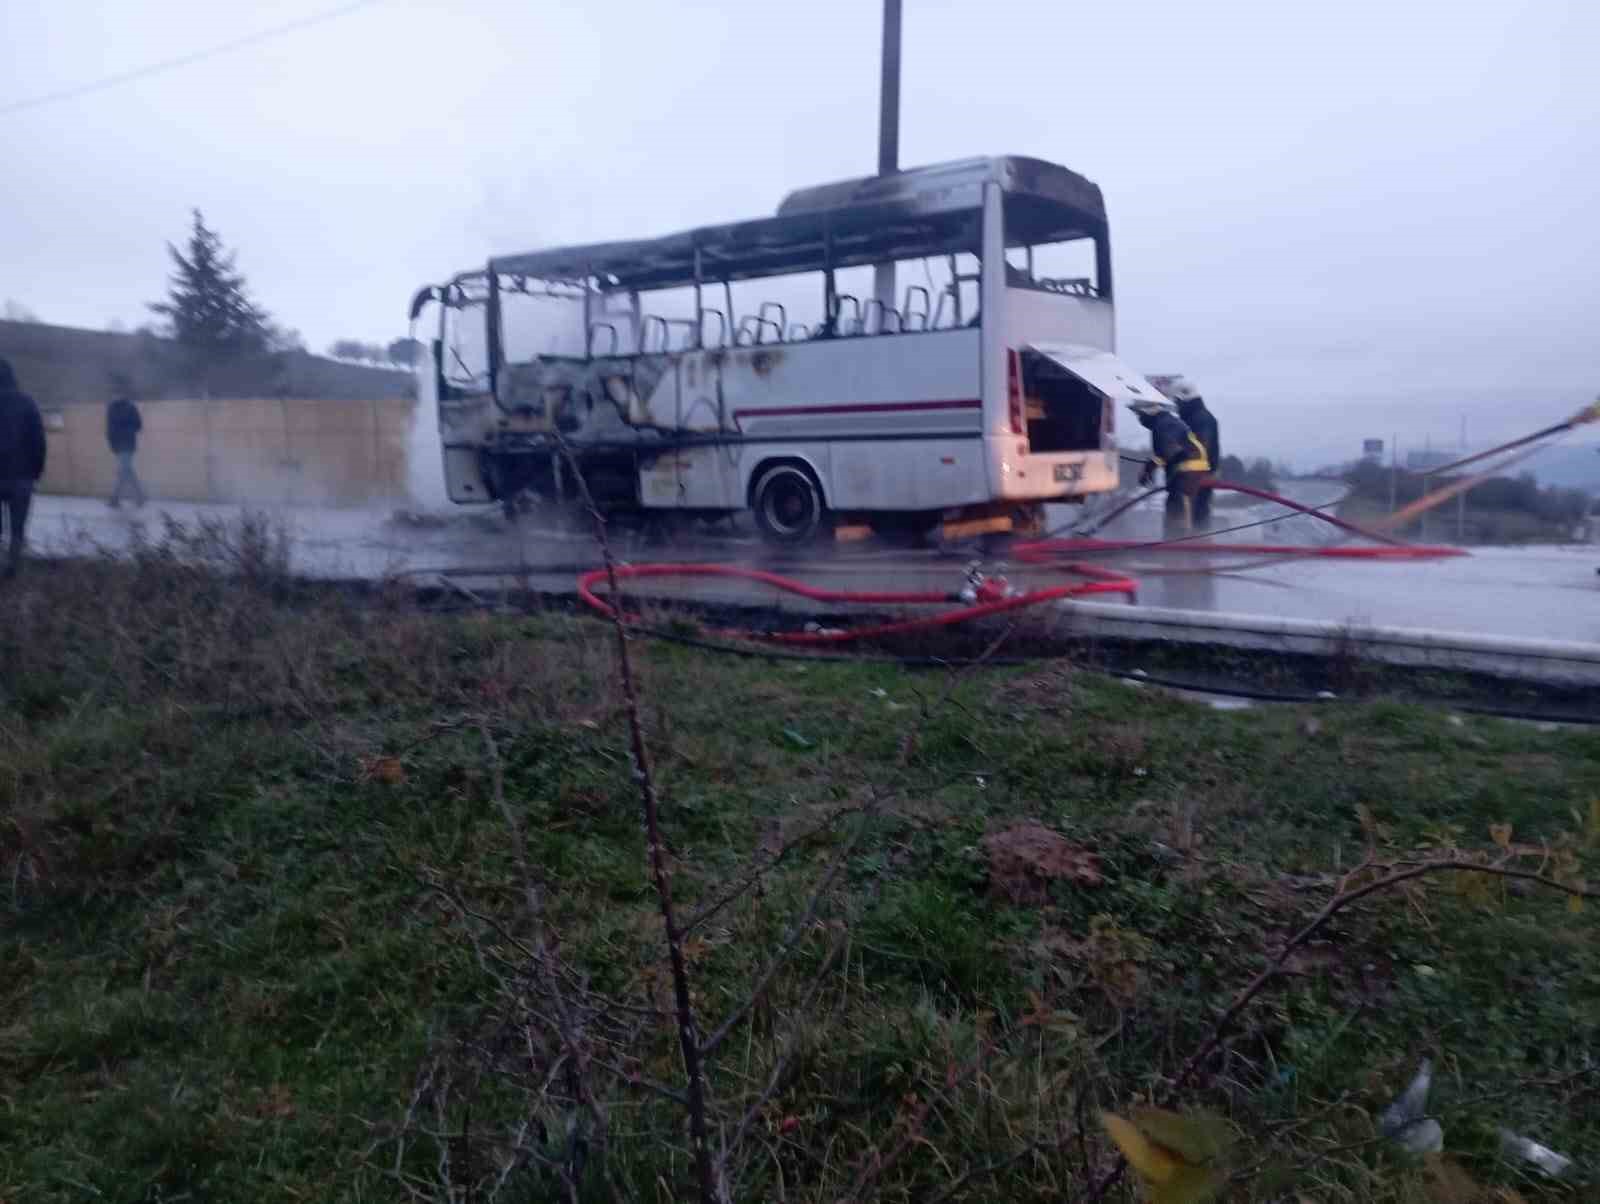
(404, 352)
(207, 309)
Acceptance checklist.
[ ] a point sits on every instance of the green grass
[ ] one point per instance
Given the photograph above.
(222, 968)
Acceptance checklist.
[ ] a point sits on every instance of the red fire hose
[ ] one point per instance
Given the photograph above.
(1045, 550)
(1387, 547)
(992, 596)
(1268, 495)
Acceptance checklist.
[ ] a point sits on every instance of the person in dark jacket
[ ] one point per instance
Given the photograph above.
(1174, 447)
(123, 424)
(22, 454)
(1192, 409)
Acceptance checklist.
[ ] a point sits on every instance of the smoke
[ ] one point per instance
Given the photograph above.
(424, 453)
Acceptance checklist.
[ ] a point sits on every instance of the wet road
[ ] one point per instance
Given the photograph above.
(1546, 592)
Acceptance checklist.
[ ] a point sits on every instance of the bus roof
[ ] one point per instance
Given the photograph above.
(874, 219)
(957, 185)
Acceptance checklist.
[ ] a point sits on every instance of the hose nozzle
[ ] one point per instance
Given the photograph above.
(995, 589)
(968, 593)
(980, 588)
(1589, 413)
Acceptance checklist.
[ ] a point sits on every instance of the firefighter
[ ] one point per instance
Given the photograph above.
(1174, 447)
(1192, 409)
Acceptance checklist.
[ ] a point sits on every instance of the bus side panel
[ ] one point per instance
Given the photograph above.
(1037, 317)
(901, 415)
(928, 474)
(695, 403)
(692, 478)
(688, 398)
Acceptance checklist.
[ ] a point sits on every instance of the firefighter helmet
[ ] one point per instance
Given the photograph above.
(1175, 387)
(1150, 406)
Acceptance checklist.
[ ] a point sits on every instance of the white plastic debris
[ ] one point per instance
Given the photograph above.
(1514, 1145)
(1326, 695)
(968, 593)
(1405, 1121)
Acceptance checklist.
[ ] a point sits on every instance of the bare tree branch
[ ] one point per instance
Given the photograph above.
(908, 743)
(763, 866)
(661, 878)
(790, 942)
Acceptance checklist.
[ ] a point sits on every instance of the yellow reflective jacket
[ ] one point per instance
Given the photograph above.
(1192, 459)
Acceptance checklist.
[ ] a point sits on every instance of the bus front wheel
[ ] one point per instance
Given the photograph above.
(788, 505)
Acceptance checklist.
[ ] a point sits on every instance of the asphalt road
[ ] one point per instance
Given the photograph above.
(1544, 592)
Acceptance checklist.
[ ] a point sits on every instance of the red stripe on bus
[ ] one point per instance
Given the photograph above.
(865, 407)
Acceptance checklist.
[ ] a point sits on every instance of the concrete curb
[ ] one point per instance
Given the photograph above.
(1554, 661)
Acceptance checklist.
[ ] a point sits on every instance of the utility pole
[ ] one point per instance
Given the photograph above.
(888, 129)
(1427, 487)
(1394, 467)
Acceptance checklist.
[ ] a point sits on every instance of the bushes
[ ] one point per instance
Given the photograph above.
(1499, 509)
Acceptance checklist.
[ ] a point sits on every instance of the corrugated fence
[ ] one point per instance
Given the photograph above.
(283, 452)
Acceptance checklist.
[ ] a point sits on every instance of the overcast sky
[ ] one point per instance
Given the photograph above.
(1341, 218)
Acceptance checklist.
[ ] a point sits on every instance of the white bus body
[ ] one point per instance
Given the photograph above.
(985, 388)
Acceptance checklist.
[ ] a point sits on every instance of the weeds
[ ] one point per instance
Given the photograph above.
(266, 857)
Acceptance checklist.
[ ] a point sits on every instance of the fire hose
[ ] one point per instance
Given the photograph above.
(983, 596)
(1589, 413)
(1453, 488)
(1528, 443)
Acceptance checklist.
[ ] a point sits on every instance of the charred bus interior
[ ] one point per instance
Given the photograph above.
(571, 346)
(1063, 412)
(640, 365)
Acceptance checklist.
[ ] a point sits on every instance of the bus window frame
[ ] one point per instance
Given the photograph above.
(1015, 216)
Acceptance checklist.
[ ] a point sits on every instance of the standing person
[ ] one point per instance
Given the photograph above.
(1192, 409)
(22, 453)
(123, 424)
(1176, 448)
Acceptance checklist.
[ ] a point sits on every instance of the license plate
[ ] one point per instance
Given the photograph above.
(1071, 473)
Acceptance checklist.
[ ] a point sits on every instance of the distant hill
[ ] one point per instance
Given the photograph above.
(1570, 466)
(1566, 466)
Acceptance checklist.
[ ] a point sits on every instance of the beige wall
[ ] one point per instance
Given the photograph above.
(270, 451)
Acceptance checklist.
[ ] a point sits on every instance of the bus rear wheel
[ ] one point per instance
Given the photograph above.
(788, 505)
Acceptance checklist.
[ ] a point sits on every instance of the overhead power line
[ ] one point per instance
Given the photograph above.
(184, 60)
